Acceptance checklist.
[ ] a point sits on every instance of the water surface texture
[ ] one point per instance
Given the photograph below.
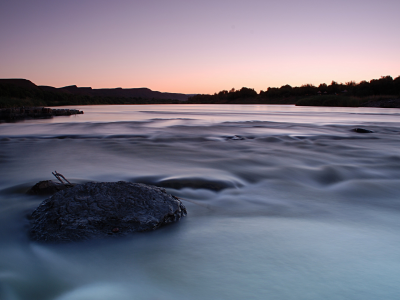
(283, 202)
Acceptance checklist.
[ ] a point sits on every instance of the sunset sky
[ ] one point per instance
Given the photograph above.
(198, 46)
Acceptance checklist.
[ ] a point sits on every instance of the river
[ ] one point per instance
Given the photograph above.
(283, 202)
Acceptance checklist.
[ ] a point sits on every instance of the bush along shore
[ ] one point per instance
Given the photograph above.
(20, 113)
(351, 101)
(383, 92)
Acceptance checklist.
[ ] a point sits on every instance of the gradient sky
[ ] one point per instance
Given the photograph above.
(198, 46)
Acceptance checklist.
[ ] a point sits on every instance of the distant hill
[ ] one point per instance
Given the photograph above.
(24, 83)
(88, 91)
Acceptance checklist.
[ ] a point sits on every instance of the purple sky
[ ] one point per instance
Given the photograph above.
(198, 46)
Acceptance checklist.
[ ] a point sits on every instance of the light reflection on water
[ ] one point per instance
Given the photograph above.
(220, 113)
(298, 206)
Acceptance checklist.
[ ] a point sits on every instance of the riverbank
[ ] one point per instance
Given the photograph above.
(350, 101)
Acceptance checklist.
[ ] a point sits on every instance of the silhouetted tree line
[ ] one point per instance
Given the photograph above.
(386, 85)
(225, 96)
(13, 96)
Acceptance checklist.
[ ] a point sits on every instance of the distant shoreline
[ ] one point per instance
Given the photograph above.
(383, 92)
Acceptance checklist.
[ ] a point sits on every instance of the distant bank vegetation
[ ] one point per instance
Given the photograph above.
(377, 92)
(383, 92)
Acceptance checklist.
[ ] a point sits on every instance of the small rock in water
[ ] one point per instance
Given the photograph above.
(96, 210)
(362, 130)
(47, 187)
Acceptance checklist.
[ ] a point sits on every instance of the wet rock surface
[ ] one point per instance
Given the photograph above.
(47, 187)
(98, 210)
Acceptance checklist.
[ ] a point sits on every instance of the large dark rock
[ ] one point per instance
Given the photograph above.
(96, 210)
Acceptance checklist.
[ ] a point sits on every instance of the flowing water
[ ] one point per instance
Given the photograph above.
(283, 202)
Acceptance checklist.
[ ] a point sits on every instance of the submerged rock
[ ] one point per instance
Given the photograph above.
(96, 210)
(195, 183)
(362, 130)
(236, 138)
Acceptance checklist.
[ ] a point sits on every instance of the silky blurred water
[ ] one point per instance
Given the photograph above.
(283, 202)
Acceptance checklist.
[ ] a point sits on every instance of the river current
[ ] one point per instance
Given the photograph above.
(283, 202)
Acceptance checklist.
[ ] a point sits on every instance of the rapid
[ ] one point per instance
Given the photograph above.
(283, 202)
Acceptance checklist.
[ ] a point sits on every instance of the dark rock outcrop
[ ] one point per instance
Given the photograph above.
(47, 187)
(19, 113)
(97, 210)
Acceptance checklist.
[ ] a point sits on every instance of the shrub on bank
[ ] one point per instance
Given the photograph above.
(331, 100)
(8, 102)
